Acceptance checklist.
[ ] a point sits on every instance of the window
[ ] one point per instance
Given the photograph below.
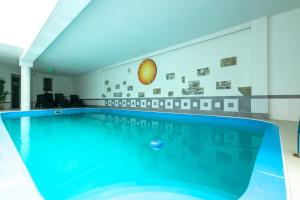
(47, 84)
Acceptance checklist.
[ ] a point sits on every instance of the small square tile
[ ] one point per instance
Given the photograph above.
(177, 103)
(195, 104)
(149, 103)
(143, 103)
(185, 103)
(124, 103)
(161, 103)
(205, 104)
(116, 103)
(217, 104)
(155, 103)
(132, 103)
(169, 103)
(231, 105)
(138, 103)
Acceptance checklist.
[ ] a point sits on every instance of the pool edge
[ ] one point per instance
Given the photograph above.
(251, 187)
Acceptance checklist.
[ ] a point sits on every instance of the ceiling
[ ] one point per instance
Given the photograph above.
(9, 55)
(111, 31)
(21, 21)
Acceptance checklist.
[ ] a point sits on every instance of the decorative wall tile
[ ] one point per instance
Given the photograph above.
(170, 76)
(108, 89)
(117, 86)
(185, 103)
(132, 103)
(138, 103)
(149, 103)
(106, 102)
(120, 103)
(169, 104)
(195, 104)
(129, 87)
(177, 103)
(143, 103)
(154, 103)
(171, 93)
(141, 94)
(124, 103)
(116, 103)
(109, 102)
(156, 91)
(217, 105)
(118, 94)
(203, 71)
(231, 105)
(225, 62)
(193, 89)
(245, 91)
(205, 104)
(106, 82)
(221, 85)
(161, 103)
(128, 103)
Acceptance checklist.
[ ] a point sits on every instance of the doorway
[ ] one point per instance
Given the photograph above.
(15, 91)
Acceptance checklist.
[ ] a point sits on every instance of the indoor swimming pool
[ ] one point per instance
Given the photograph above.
(83, 153)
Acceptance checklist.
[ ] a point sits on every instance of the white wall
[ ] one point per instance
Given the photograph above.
(185, 62)
(284, 58)
(268, 60)
(61, 84)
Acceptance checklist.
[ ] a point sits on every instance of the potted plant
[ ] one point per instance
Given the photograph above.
(3, 93)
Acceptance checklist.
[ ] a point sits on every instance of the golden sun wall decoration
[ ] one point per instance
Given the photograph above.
(147, 71)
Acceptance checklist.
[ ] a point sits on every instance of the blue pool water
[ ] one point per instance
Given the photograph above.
(67, 155)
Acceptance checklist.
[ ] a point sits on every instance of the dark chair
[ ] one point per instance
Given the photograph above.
(60, 100)
(75, 101)
(48, 101)
(39, 100)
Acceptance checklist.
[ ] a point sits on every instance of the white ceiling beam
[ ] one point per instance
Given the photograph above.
(62, 15)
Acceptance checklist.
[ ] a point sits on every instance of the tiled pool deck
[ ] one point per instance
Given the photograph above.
(288, 134)
(16, 183)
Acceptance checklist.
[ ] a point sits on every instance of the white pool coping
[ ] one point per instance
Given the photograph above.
(15, 181)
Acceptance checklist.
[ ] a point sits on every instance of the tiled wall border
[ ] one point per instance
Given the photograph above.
(235, 106)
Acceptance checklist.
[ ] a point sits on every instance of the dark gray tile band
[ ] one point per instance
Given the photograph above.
(263, 116)
(211, 97)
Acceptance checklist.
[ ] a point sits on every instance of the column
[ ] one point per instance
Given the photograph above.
(25, 87)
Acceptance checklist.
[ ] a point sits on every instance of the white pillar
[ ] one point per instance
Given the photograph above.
(25, 87)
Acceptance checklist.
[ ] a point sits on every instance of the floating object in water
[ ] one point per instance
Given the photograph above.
(156, 144)
(58, 112)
